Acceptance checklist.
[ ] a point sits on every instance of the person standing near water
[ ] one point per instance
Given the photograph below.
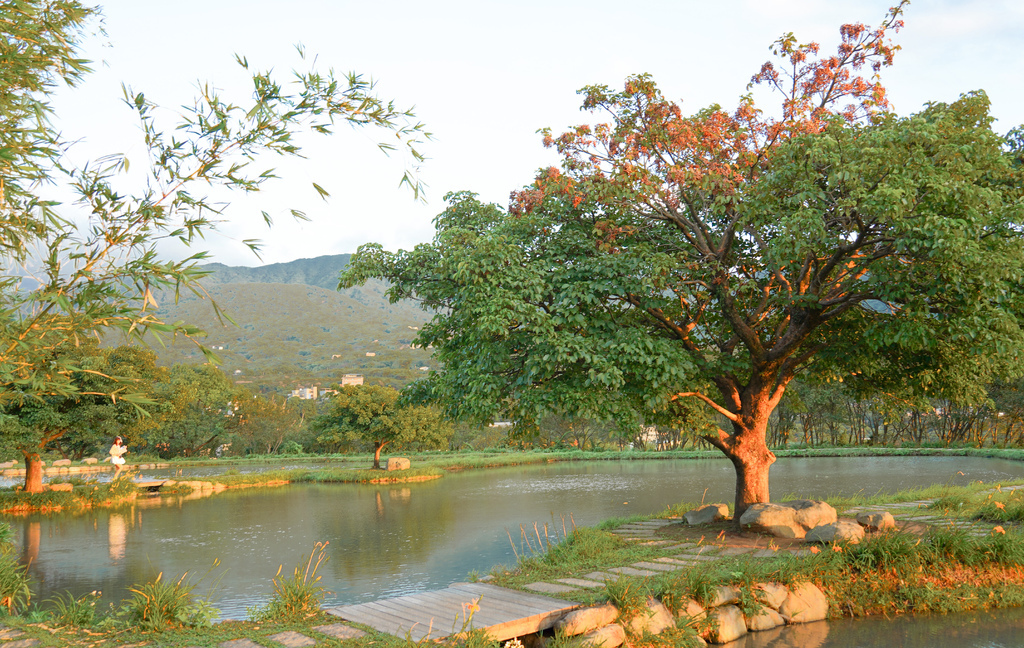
(117, 452)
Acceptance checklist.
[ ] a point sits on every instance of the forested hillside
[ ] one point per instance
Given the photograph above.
(291, 327)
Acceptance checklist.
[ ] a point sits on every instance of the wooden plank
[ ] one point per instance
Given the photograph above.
(502, 613)
(375, 619)
(395, 616)
(451, 605)
(536, 602)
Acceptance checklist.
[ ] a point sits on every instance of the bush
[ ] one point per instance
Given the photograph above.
(160, 605)
(70, 611)
(298, 597)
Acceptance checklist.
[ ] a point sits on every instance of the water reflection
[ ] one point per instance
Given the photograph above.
(982, 629)
(117, 536)
(387, 540)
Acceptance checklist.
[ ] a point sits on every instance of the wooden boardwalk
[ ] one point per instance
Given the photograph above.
(503, 613)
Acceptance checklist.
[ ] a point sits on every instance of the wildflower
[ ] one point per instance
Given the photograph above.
(837, 549)
(1000, 505)
(815, 550)
(999, 529)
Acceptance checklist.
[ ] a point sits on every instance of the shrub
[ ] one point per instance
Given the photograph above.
(298, 597)
(160, 605)
(66, 610)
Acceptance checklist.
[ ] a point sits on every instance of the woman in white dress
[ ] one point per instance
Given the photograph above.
(117, 452)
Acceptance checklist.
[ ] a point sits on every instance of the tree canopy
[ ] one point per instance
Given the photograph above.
(372, 414)
(715, 256)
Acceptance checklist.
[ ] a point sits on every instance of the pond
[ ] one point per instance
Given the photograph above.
(388, 540)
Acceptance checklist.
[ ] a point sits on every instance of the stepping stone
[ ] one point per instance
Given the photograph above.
(657, 566)
(340, 631)
(550, 588)
(656, 523)
(735, 551)
(579, 582)
(21, 643)
(601, 576)
(695, 549)
(629, 571)
(677, 561)
(697, 557)
(10, 633)
(292, 639)
(678, 547)
(654, 543)
(764, 553)
(239, 643)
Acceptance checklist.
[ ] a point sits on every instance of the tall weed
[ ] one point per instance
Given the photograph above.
(298, 597)
(161, 605)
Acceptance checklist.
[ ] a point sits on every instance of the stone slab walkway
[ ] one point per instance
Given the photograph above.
(685, 555)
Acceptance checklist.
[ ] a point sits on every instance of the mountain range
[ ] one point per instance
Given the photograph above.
(293, 328)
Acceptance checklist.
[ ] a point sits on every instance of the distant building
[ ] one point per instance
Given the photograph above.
(351, 379)
(306, 393)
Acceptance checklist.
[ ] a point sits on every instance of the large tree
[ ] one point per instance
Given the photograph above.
(716, 256)
(85, 420)
(92, 269)
(373, 414)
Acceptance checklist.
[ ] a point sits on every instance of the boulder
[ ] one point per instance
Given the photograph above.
(771, 594)
(812, 513)
(62, 462)
(726, 594)
(90, 461)
(398, 463)
(652, 620)
(766, 619)
(804, 604)
(726, 623)
(707, 514)
(773, 519)
(876, 520)
(61, 487)
(841, 531)
(690, 611)
(584, 620)
(610, 636)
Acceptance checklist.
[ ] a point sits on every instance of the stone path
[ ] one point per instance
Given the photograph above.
(683, 555)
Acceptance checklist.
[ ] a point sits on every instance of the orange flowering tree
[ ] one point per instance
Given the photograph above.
(713, 257)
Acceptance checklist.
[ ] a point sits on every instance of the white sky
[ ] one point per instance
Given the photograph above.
(484, 76)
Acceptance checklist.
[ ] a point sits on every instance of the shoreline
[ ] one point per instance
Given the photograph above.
(705, 565)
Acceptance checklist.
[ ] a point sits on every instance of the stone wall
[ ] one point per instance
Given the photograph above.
(722, 621)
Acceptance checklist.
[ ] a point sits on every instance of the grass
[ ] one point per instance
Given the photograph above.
(298, 597)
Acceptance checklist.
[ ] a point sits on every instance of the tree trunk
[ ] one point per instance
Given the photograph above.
(752, 460)
(33, 472)
(747, 447)
(376, 454)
